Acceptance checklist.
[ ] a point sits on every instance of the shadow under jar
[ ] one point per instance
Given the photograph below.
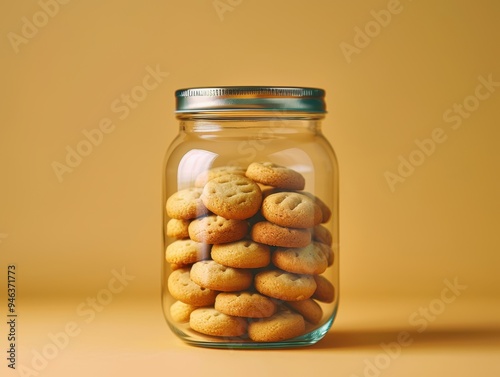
(250, 201)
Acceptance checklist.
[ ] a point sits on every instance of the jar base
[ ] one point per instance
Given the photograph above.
(312, 337)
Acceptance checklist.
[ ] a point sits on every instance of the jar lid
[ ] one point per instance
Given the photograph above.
(250, 98)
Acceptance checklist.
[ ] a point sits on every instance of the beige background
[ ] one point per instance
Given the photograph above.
(67, 237)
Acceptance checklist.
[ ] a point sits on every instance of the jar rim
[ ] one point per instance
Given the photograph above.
(250, 98)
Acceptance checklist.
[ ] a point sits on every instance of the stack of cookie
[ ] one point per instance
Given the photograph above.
(249, 253)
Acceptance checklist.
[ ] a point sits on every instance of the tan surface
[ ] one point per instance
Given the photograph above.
(443, 219)
(129, 337)
(68, 234)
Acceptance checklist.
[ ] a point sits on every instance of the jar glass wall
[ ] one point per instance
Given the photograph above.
(250, 199)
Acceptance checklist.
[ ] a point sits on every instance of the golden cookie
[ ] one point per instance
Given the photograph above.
(291, 209)
(309, 309)
(180, 311)
(325, 210)
(275, 235)
(305, 260)
(177, 228)
(211, 322)
(232, 196)
(242, 254)
(182, 288)
(274, 175)
(245, 304)
(209, 174)
(327, 251)
(285, 285)
(186, 204)
(282, 325)
(325, 291)
(186, 252)
(212, 275)
(216, 229)
(322, 234)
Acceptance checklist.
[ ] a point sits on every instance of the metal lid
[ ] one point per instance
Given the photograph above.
(250, 98)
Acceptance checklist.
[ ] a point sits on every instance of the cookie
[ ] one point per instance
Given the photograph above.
(212, 275)
(186, 204)
(177, 228)
(282, 325)
(325, 210)
(305, 260)
(275, 235)
(209, 174)
(232, 196)
(309, 309)
(182, 288)
(187, 252)
(209, 321)
(322, 234)
(180, 311)
(245, 304)
(327, 251)
(284, 285)
(242, 254)
(291, 209)
(270, 174)
(325, 291)
(216, 229)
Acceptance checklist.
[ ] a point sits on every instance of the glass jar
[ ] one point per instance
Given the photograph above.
(250, 201)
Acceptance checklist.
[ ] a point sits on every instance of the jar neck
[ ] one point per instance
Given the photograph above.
(279, 122)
